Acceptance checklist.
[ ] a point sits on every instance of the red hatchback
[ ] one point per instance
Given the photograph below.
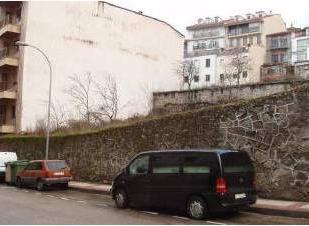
(42, 173)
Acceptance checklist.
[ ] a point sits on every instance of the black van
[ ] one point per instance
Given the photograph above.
(200, 181)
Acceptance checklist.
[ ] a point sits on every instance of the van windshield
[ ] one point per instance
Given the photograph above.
(236, 162)
(57, 165)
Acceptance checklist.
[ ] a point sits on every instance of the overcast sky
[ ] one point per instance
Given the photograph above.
(181, 13)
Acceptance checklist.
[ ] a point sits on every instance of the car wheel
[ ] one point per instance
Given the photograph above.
(19, 183)
(40, 185)
(65, 186)
(121, 198)
(196, 207)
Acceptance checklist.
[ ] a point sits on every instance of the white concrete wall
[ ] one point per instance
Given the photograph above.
(140, 52)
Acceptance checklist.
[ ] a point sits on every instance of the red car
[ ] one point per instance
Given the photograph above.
(42, 173)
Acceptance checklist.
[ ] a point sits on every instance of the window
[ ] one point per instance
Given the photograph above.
(57, 165)
(244, 74)
(13, 112)
(221, 77)
(166, 163)
(139, 165)
(235, 76)
(258, 39)
(196, 169)
(186, 79)
(245, 41)
(198, 163)
(34, 166)
(196, 78)
(274, 58)
(251, 40)
(231, 42)
(282, 57)
(238, 42)
(207, 78)
(236, 162)
(207, 62)
(274, 43)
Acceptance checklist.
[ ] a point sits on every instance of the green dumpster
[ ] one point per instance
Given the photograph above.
(16, 167)
(8, 173)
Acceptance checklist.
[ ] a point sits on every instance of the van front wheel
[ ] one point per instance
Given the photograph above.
(121, 198)
(196, 207)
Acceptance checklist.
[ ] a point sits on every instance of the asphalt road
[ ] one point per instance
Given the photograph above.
(27, 206)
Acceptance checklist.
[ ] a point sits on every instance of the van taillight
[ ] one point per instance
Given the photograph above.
(221, 185)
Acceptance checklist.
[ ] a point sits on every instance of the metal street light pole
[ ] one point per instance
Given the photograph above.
(18, 43)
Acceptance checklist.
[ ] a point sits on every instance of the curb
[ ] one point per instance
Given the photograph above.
(89, 190)
(279, 212)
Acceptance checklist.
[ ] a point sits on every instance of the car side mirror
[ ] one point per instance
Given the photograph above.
(141, 170)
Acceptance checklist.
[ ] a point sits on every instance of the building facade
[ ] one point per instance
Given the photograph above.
(139, 51)
(301, 54)
(210, 40)
(279, 55)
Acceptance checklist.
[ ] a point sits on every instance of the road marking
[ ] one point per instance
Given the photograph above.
(26, 191)
(38, 193)
(81, 201)
(51, 196)
(213, 222)
(148, 212)
(183, 218)
(63, 198)
(102, 204)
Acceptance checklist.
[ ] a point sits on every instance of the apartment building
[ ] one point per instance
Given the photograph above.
(10, 30)
(300, 57)
(279, 54)
(139, 51)
(211, 39)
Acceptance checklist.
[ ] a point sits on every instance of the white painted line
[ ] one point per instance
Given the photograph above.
(182, 218)
(102, 204)
(81, 201)
(213, 222)
(38, 193)
(63, 198)
(153, 213)
(51, 196)
(26, 191)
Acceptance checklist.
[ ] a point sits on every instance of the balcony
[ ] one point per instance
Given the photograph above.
(9, 57)
(7, 92)
(7, 126)
(9, 28)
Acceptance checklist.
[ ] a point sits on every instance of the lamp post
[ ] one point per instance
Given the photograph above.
(18, 43)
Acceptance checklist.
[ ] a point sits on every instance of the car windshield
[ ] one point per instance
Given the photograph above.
(57, 165)
(235, 162)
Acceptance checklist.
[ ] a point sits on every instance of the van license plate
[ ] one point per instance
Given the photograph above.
(240, 196)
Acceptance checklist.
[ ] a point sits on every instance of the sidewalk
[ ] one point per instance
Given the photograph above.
(263, 206)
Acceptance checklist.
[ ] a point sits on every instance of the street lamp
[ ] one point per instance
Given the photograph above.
(18, 43)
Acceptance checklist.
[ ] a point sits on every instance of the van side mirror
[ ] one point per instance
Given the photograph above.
(141, 170)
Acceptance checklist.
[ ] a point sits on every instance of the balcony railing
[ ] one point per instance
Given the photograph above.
(10, 51)
(9, 20)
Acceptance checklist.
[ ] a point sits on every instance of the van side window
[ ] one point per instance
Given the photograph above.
(196, 163)
(139, 165)
(166, 163)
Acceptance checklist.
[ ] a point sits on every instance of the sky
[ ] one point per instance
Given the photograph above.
(182, 13)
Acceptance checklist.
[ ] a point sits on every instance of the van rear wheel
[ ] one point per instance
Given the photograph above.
(196, 207)
(121, 198)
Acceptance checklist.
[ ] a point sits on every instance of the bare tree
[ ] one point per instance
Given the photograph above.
(80, 92)
(237, 65)
(108, 104)
(58, 116)
(188, 72)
